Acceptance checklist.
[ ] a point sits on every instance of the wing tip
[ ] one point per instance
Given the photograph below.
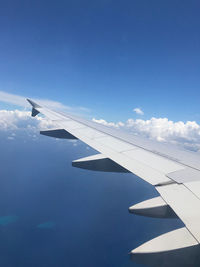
(33, 104)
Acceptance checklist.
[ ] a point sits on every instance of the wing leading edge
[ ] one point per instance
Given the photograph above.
(174, 173)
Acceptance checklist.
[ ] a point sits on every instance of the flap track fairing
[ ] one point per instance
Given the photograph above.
(58, 133)
(155, 207)
(98, 163)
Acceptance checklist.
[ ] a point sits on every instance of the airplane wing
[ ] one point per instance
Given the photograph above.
(175, 173)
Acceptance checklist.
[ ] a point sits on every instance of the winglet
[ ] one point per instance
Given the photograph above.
(33, 104)
(34, 107)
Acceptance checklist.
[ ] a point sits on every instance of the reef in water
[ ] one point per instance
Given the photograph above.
(46, 225)
(4, 220)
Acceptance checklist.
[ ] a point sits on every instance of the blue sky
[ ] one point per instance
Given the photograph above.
(108, 56)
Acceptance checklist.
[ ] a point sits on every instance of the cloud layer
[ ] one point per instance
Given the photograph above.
(22, 102)
(161, 129)
(13, 120)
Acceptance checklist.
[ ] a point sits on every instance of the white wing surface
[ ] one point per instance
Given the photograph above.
(174, 173)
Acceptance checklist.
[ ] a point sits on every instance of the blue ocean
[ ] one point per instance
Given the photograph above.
(55, 215)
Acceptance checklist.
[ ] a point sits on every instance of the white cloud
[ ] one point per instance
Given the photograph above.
(186, 134)
(116, 125)
(138, 111)
(13, 99)
(22, 102)
(13, 120)
(10, 138)
(163, 130)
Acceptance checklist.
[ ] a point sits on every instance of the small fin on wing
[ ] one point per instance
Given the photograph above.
(34, 112)
(34, 107)
(33, 104)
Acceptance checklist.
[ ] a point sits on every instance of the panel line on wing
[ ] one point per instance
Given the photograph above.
(185, 204)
